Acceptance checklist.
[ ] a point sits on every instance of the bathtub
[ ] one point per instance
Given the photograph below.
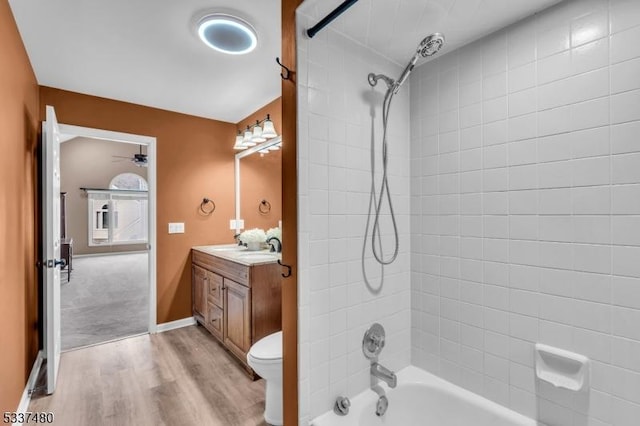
(422, 399)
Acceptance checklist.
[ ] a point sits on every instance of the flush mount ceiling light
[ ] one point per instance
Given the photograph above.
(227, 34)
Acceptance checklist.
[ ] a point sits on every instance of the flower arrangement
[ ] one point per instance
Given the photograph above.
(275, 232)
(255, 235)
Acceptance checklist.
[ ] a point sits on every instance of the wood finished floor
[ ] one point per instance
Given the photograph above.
(181, 377)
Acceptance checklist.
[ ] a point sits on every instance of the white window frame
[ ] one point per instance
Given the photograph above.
(91, 216)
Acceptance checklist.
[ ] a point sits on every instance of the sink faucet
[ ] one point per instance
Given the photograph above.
(275, 243)
(384, 374)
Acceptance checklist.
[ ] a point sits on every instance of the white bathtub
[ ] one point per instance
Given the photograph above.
(422, 399)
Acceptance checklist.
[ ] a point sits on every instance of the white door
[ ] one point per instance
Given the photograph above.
(51, 241)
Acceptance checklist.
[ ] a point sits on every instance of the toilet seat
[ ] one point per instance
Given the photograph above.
(268, 349)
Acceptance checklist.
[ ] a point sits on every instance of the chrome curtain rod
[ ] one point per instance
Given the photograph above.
(330, 17)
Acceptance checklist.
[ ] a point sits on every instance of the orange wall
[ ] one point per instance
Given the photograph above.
(195, 160)
(261, 177)
(18, 281)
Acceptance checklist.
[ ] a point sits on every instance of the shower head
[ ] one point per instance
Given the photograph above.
(427, 47)
(431, 45)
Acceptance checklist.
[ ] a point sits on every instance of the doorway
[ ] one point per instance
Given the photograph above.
(108, 288)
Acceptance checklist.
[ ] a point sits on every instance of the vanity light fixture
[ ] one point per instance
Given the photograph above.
(258, 135)
(246, 141)
(268, 129)
(239, 142)
(227, 34)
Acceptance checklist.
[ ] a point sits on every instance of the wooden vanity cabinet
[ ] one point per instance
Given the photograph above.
(238, 304)
(237, 329)
(198, 292)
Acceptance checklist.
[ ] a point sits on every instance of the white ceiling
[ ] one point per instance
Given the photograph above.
(147, 52)
(395, 28)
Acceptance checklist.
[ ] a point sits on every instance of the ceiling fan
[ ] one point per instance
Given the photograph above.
(139, 159)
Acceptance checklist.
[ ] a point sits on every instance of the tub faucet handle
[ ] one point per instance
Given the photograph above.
(373, 341)
(341, 407)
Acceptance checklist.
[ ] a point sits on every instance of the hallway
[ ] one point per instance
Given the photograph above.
(107, 298)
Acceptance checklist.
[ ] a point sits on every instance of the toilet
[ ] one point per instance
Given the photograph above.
(265, 357)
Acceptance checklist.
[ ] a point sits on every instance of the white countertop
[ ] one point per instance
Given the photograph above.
(240, 254)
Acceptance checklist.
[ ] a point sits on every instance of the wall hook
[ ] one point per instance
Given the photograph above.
(288, 274)
(287, 71)
(207, 210)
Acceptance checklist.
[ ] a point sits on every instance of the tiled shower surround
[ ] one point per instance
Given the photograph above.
(525, 210)
(522, 210)
(335, 108)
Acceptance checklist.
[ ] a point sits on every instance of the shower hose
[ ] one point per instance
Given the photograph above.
(375, 201)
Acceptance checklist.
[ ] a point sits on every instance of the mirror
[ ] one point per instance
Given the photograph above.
(258, 187)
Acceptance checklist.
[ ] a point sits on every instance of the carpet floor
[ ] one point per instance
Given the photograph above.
(106, 299)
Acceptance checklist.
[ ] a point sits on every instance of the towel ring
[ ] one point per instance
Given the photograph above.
(264, 207)
(207, 210)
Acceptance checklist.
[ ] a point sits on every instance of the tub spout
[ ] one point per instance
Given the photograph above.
(384, 374)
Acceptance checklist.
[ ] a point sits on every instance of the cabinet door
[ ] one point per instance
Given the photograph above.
(214, 290)
(237, 313)
(215, 320)
(198, 288)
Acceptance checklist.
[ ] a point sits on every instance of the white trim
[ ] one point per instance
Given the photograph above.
(87, 132)
(259, 147)
(151, 144)
(152, 158)
(23, 406)
(240, 155)
(110, 253)
(124, 192)
(172, 325)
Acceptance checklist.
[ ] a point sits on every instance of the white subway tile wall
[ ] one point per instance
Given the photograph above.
(525, 210)
(336, 112)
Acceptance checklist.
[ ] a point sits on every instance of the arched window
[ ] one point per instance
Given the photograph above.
(129, 181)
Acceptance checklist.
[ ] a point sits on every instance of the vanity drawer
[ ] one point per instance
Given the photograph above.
(228, 269)
(214, 290)
(215, 320)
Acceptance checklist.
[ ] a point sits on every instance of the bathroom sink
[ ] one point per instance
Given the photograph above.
(257, 256)
(228, 248)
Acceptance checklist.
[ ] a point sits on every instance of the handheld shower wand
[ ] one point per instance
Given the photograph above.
(430, 45)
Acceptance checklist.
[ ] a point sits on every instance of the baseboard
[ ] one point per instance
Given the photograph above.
(23, 406)
(172, 325)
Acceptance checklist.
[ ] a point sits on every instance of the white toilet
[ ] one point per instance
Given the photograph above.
(265, 357)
